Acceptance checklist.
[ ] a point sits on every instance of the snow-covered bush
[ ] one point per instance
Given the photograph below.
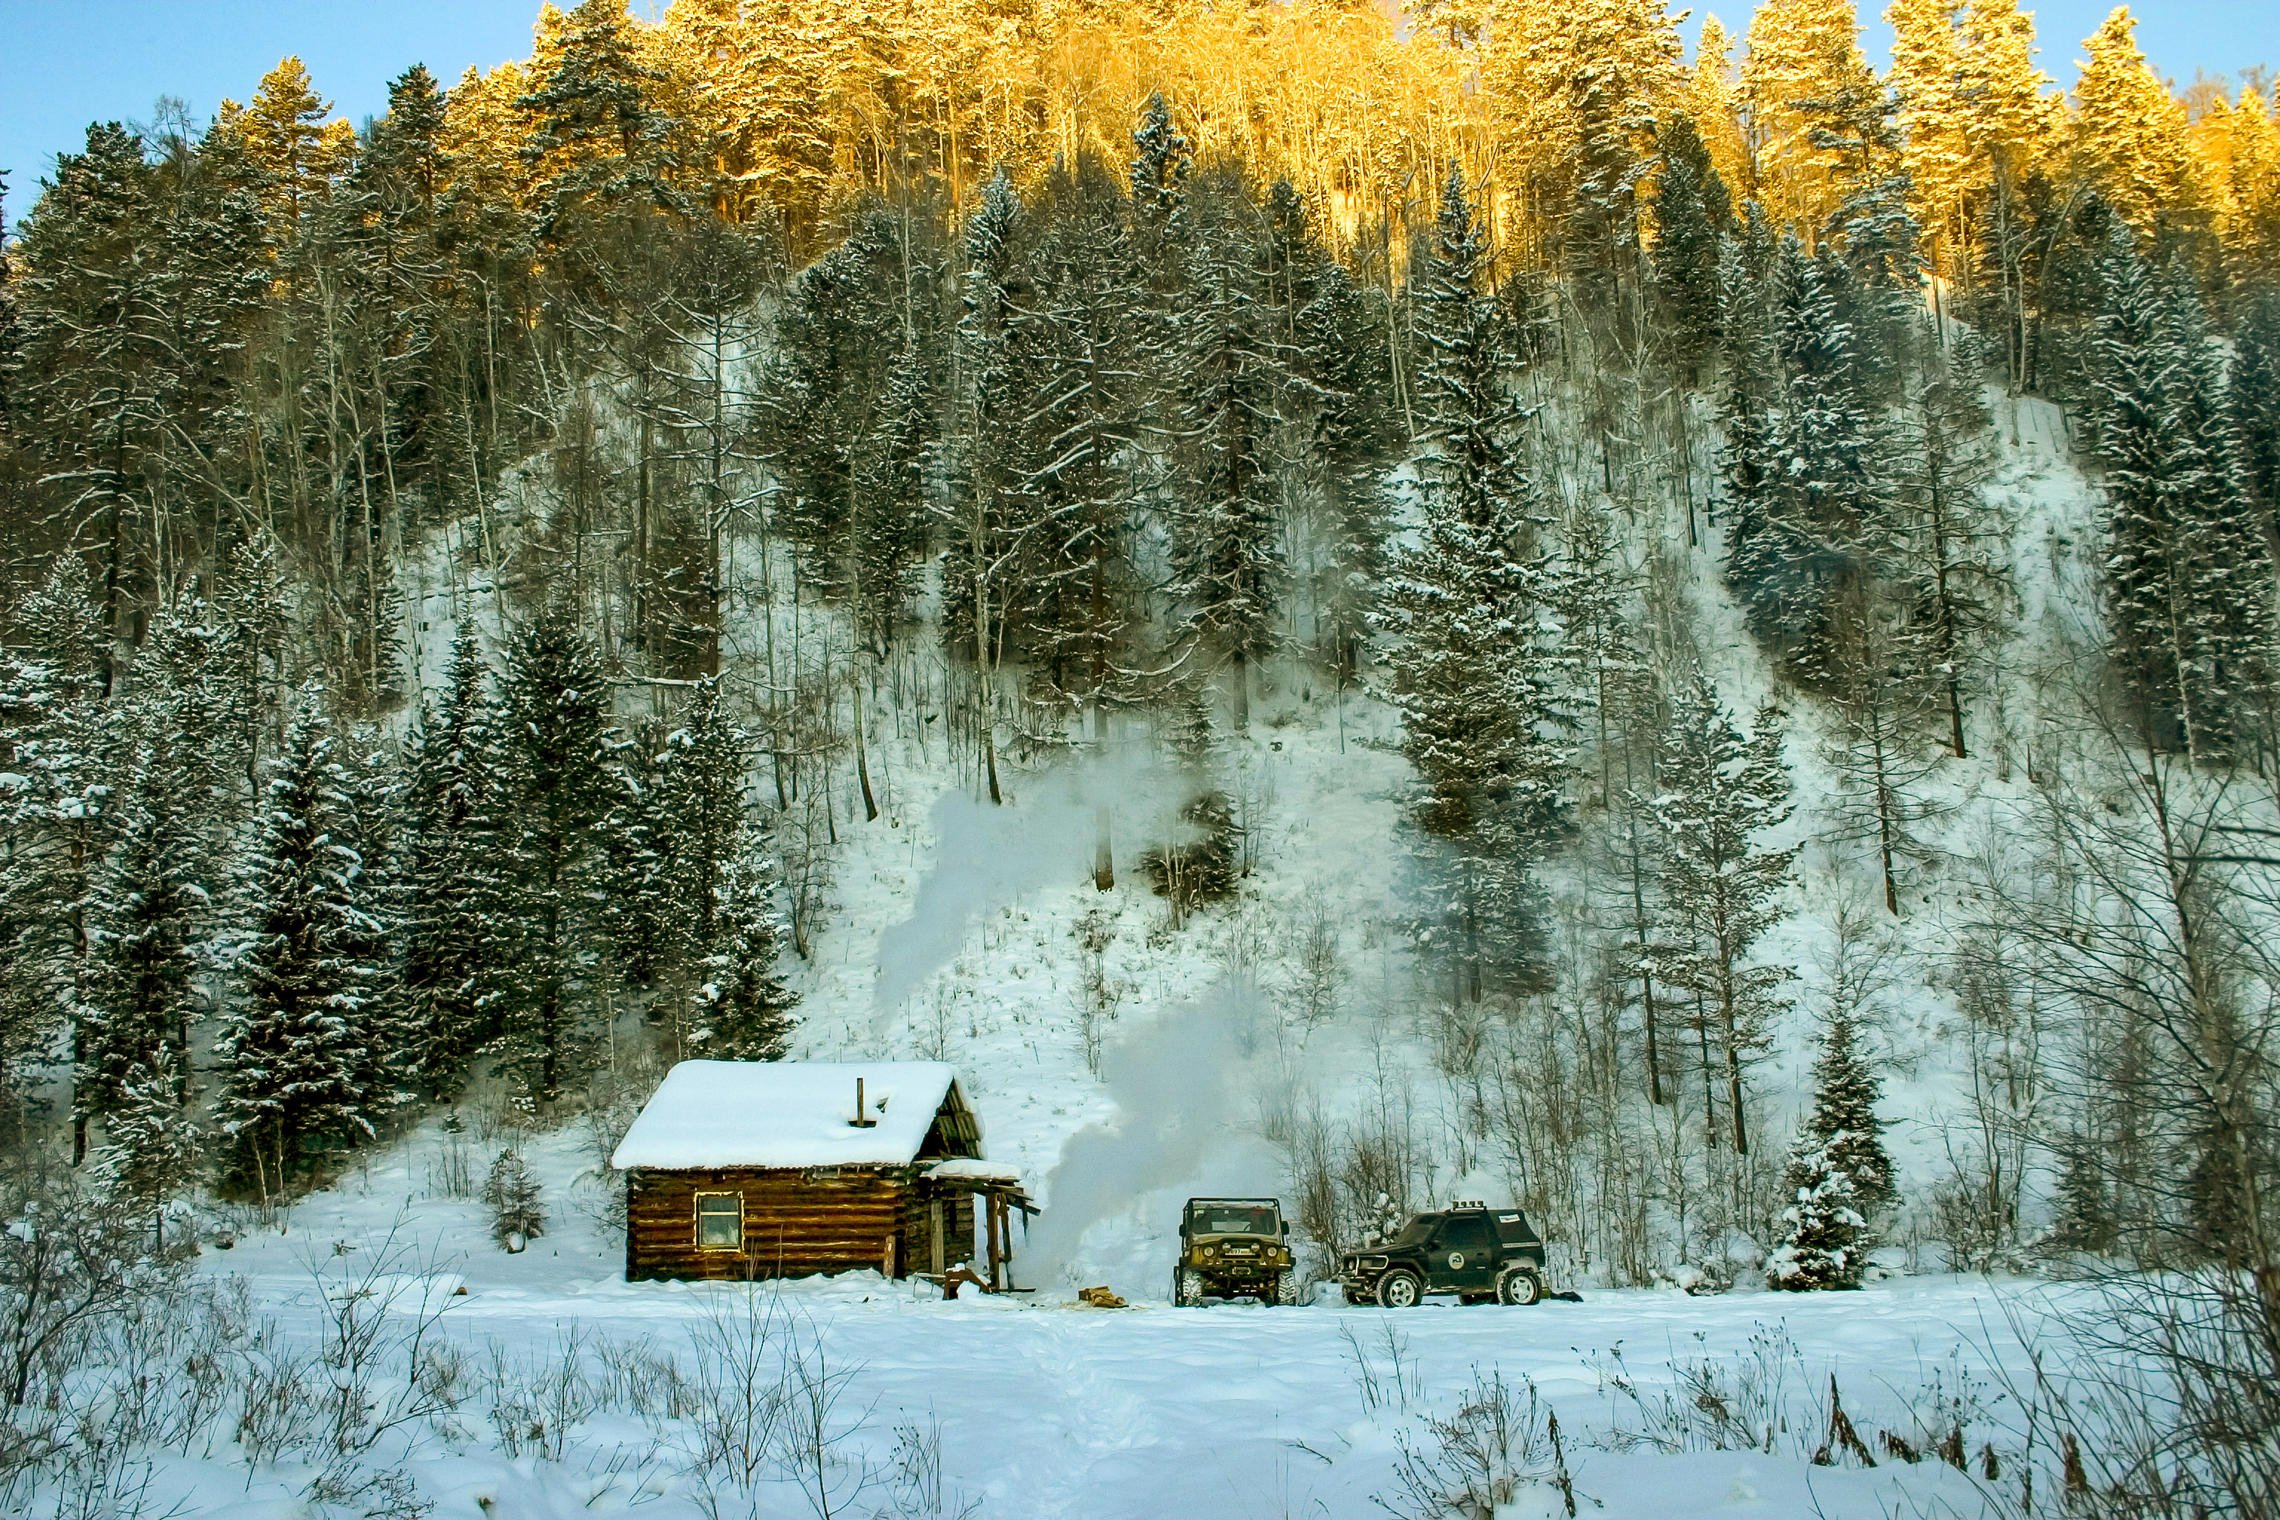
(1476, 1463)
(1825, 1240)
(517, 1212)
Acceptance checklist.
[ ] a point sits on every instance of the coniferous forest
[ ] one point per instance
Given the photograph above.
(1793, 552)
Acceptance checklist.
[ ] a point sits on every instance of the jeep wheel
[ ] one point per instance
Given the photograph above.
(1187, 1289)
(1520, 1285)
(1285, 1292)
(1399, 1289)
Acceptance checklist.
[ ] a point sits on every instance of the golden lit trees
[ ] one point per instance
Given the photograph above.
(1578, 87)
(2129, 130)
(2251, 223)
(288, 137)
(1712, 100)
(1927, 80)
(1813, 110)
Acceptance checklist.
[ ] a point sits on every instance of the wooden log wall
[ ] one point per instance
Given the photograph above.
(796, 1224)
(918, 1227)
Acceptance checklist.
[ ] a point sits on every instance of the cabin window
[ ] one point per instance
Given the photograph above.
(720, 1221)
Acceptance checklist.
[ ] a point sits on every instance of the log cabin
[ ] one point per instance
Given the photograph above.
(755, 1169)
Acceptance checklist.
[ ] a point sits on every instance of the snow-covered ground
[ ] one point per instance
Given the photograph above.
(1037, 1406)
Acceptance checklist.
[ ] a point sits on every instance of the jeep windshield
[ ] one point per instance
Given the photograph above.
(1231, 1219)
(1416, 1232)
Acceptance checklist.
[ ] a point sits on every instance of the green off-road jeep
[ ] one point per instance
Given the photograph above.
(1480, 1254)
(1234, 1248)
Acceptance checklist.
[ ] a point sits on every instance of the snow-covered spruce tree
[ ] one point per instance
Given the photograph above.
(184, 699)
(1075, 351)
(1340, 426)
(1475, 670)
(1824, 1240)
(839, 417)
(518, 1211)
(1160, 164)
(742, 1008)
(59, 736)
(552, 849)
(146, 918)
(1723, 887)
(1746, 424)
(1226, 532)
(2082, 1210)
(1693, 213)
(293, 1052)
(2256, 401)
(1813, 514)
(457, 937)
(152, 1145)
(2188, 582)
(680, 830)
(254, 606)
(988, 504)
(394, 1025)
(1844, 1121)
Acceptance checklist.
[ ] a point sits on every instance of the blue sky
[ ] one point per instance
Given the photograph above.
(64, 63)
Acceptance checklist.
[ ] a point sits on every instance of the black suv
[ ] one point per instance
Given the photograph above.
(1480, 1254)
(1234, 1248)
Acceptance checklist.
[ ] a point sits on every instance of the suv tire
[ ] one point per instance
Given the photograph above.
(1400, 1289)
(1519, 1285)
(1285, 1292)
(1187, 1289)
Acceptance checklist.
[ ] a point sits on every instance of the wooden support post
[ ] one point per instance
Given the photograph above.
(994, 1209)
(934, 1224)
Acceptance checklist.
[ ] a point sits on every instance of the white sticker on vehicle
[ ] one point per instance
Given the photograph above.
(1456, 1261)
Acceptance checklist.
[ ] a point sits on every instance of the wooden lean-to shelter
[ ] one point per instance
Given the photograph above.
(746, 1169)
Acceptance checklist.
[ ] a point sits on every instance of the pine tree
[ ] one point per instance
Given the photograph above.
(599, 152)
(291, 145)
(1476, 674)
(2188, 582)
(518, 1212)
(742, 1007)
(1693, 213)
(93, 360)
(1723, 885)
(1076, 444)
(394, 1024)
(57, 751)
(1807, 498)
(1844, 1123)
(553, 849)
(1226, 528)
(456, 936)
(152, 1146)
(1813, 108)
(1160, 164)
(146, 918)
(2256, 403)
(1825, 1241)
(2083, 1209)
(2130, 131)
(294, 1051)
(846, 419)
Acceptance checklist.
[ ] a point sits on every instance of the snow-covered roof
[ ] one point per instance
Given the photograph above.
(786, 1114)
(974, 1169)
